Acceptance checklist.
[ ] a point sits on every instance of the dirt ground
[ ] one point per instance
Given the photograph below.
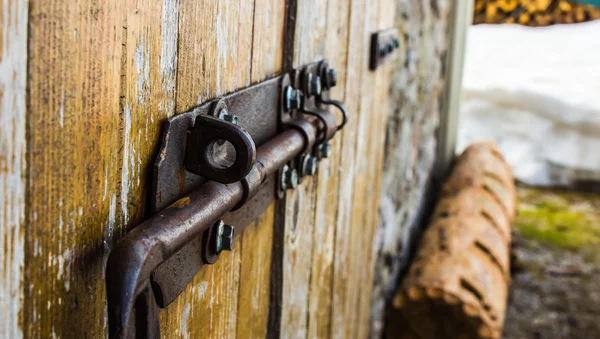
(555, 292)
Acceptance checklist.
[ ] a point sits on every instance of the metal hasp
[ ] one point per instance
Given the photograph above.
(383, 45)
(220, 165)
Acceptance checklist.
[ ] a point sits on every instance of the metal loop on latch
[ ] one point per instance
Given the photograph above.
(339, 106)
(200, 154)
(328, 78)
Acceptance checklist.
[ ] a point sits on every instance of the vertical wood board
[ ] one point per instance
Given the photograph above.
(13, 71)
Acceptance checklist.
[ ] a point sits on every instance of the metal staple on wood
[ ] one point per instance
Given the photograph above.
(458, 282)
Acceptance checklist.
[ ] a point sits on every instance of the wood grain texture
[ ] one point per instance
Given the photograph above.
(379, 109)
(344, 299)
(13, 71)
(214, 58)
(253, 309)
(327, 183)
(257, 239)
(308, 46)
(74, 128)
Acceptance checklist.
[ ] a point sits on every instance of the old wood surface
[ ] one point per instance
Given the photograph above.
(100, 78)
(13, 66)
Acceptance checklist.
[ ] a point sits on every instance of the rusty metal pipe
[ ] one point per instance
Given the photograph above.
(143, 249)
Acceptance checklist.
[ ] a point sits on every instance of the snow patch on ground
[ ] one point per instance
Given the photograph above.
(536, 92)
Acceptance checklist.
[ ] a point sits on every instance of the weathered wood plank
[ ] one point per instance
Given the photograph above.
(13, 74)
(214, 58)
(378, 111)
(363, 193)
(257, 239)
(149, 64)
(344, 297)
(327, 183)
(308, 46)
(74, 127)
(253, 310)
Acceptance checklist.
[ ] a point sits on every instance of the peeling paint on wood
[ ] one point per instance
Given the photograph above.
(13, 66)
(97, 103)
(73, 124)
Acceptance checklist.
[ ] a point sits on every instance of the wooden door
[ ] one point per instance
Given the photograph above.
(85, 87)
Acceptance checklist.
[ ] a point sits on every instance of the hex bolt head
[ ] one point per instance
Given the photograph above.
(309, 165)
(324, 150)
(282, 181)
(314, 84)
(227, 237)
(293, 98)
(331, 78)
(289, 178)
(396, 42)
(224, 115)
(222, 237)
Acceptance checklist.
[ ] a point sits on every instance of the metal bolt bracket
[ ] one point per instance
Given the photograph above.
(383, 45)
(308, 165)
(293, 99)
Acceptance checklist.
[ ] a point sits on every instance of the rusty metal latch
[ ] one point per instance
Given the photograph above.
(220, 165)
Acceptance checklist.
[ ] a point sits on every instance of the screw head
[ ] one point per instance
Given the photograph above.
(309, 165)
(224, 115)
(293, 98)
(314, 84)
(324, 150)
(396, 42)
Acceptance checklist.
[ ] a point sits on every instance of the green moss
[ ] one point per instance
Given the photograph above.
(557, 219)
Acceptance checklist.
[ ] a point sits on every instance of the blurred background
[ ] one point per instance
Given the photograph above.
(532, 84)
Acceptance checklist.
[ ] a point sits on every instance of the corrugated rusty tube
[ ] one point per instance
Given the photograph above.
(139, 253)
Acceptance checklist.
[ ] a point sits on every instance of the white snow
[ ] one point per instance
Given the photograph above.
(536, 92)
